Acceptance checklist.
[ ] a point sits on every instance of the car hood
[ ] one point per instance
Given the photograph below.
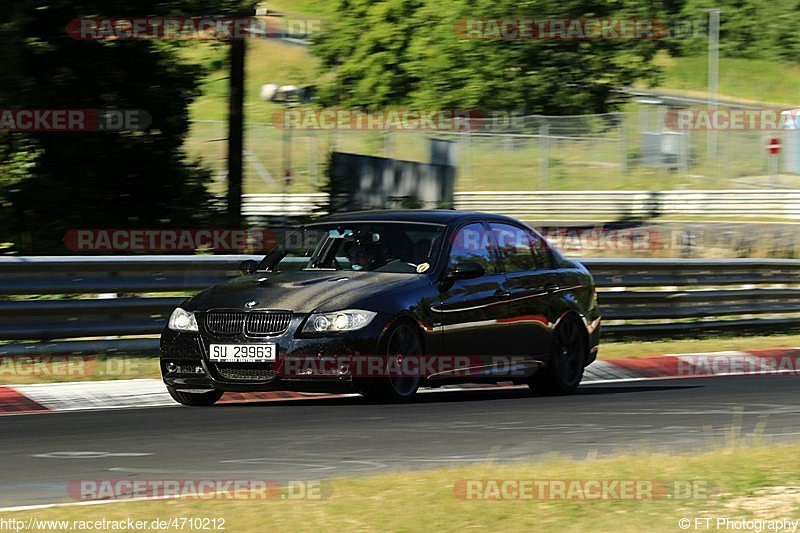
(300, 292)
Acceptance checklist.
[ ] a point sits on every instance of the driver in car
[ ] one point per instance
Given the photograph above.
(365, 256)
(378, 254)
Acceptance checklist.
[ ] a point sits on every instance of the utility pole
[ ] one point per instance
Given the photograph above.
(236, 132)
(713, 77)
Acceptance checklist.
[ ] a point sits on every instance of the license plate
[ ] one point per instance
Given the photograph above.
(241, 353)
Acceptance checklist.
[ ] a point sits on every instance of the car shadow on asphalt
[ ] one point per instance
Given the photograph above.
(622, 389)
(451, 396)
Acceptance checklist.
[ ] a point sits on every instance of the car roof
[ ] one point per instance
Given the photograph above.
(430, 216)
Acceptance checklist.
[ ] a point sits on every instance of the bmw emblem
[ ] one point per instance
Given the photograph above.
(251, 304)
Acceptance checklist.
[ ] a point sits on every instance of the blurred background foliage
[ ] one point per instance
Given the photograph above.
(369, 54)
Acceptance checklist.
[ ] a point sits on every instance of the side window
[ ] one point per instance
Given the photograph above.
(520, 249)
(541, 250)
(472, 243)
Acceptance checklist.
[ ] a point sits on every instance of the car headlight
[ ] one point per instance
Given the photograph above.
(181, 320)
(349, 320)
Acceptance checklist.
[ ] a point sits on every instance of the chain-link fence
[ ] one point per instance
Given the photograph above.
(632, 150)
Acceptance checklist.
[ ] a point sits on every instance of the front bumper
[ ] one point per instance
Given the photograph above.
(185, 364)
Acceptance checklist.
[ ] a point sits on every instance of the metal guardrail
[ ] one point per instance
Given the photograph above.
(85, 310)
(663, 297)
(100, 274)
(582, 205)
(638, 297)
(612, 204)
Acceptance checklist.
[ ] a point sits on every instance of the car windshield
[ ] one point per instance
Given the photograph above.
(400, 248)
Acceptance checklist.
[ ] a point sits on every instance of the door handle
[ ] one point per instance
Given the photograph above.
(500, 293)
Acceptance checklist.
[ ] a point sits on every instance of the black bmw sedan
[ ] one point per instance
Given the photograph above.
(384, 302)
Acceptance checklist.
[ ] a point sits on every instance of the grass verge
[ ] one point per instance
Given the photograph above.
(26, 371)
(622, 350)
(747, 80)
(739, 482)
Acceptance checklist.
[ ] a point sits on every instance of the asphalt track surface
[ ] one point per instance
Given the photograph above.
(316, 439)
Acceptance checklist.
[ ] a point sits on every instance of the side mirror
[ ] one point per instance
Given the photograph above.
(466, 270)
(248, 267)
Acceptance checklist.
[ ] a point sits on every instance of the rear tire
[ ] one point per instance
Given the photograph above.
(403, 340)
(564, 372)
(202, 399)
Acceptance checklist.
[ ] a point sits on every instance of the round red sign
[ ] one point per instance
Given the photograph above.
(774, 146)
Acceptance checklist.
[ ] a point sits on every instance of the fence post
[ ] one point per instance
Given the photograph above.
(623, 146)
(544, 163)
(313, 158)
(466, 154)
(387, 144)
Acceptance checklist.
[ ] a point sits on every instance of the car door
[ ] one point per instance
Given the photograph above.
(471, 309)
(530, 281)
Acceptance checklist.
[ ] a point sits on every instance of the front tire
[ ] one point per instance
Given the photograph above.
(403, 340)
(563, 374)
(202, 399)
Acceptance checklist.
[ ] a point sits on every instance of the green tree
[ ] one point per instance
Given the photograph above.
(53, 182)
(408, 53)
(750, 29)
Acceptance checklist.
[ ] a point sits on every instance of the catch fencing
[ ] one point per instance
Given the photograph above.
(624, 151)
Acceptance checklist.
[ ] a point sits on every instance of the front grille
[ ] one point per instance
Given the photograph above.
(266, 323)
(254, 323)
(246, 371)
(225, 322)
